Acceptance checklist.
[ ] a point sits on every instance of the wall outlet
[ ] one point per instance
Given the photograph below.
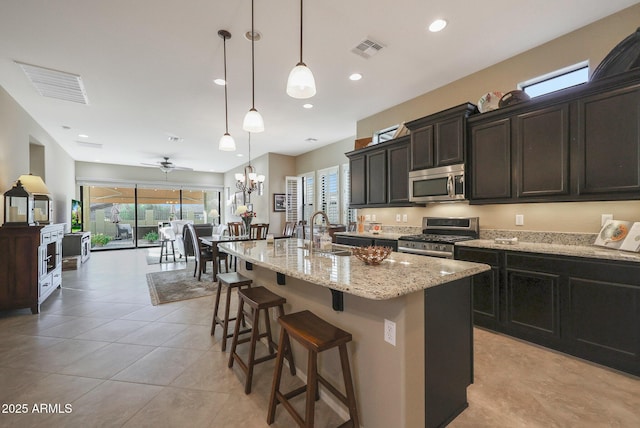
(367, 217)
(404, 218)
(397, 218)
(604, 218)
(373, 217)
(390, 332)
(519, 220)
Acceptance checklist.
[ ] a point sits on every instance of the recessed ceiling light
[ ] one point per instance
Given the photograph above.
(83, 136)
(355, 76)
(437, 25)
(239, 155)
(220, 82)
(311, 140)
(256, 35)
(308, 105)
(66, 128)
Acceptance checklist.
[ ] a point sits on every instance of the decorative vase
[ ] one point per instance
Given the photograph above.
(247, 224)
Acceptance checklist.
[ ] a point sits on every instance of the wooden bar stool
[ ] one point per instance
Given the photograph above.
(231, 280)
(316, 335)
(258, 299)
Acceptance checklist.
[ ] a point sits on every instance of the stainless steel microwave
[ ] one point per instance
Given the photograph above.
(445, 183)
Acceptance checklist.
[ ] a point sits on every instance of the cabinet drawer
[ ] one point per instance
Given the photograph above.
(489, 257)
(45, 237)
(46, 283)
(56, 277)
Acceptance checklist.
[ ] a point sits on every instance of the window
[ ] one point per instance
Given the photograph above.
(293, 199)
(348, 214)
(308, 195)
(328, 193)
(559, 79)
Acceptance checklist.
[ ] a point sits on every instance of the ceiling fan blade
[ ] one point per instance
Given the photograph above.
(183, 168)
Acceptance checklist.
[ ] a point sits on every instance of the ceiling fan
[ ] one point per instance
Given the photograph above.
(166, 166)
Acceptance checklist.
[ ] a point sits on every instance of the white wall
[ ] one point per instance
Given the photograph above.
(17, 129)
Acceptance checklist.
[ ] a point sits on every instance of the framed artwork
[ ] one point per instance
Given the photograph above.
(279, 202)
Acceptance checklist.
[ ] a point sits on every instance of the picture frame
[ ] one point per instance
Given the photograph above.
(279, 202)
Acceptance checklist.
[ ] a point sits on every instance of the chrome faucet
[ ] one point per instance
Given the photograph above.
(312, 222)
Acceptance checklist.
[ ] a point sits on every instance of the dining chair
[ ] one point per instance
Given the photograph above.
(235, 228)
(259, 230)
(203, 254)
(289, 228)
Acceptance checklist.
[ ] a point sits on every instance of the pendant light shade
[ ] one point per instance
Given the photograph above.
(253, 121)
(226, 143)
(301, 83)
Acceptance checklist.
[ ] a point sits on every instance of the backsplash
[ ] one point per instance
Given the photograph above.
(563, 238)
(403, 230)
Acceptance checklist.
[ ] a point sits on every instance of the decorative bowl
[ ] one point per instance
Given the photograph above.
(372, 255)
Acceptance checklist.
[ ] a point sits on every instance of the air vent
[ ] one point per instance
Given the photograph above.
(89, 145)
(55, 84)
(367, 48)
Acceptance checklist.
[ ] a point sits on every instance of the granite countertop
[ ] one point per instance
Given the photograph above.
(589, 251)
(382, 235)
(398, 275)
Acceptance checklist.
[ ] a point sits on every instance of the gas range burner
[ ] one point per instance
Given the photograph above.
(430, 237)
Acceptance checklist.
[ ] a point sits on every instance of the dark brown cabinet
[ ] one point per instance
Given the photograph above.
(380, 175)
(609, 142)
(490, 160)
(582, 143)
(439, 139)
(585, 307)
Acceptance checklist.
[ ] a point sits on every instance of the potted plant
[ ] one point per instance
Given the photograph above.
(151, 236)
(100, 239)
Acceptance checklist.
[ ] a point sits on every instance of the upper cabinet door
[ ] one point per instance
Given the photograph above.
(358, 177)
(542, 147)
(399, 173)
(449, 141)
(609, 142)
(490, 160)
(377, 177)
(422, 148)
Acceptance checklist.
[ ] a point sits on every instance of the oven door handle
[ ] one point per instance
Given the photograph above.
(450, 186)
(432, 253)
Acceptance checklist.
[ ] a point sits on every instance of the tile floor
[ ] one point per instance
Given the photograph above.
(99, 347)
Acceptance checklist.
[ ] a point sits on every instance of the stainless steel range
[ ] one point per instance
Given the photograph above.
(439, 234)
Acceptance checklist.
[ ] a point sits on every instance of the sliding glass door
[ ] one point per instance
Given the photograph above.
(129, 217)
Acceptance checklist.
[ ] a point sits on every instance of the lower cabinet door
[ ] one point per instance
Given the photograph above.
(605, 322)
(486, 298)
(532, 303)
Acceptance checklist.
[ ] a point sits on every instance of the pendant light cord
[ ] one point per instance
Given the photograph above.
(301, 32)
(226, 109)
(253, 82)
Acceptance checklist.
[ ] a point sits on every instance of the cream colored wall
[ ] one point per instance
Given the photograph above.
(280, 166)
(324, 157)
(591, 43)
(17, 130)
(260, 202)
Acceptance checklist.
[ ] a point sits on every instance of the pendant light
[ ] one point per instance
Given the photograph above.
(253, 121)
(226, 142)
(301, 83)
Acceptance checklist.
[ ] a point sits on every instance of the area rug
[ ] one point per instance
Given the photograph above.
(176, 285)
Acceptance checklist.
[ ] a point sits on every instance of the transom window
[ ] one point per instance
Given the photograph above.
(554, 81)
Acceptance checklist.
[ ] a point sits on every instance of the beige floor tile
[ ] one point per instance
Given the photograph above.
(151, 313)
(193, 337)
(159, 367)
(153, 334)
(110, 404)
(13, 380)
(173, 407)
(112, 330)
(108, 361)
(189, 315)
(210, 373)
(74, 327)
(53, 358)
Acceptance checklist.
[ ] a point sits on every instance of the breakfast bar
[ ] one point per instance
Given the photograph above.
(410, 317)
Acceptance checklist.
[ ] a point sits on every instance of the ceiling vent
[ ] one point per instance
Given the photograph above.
(55, 84)
(89, 145)
(367, 48)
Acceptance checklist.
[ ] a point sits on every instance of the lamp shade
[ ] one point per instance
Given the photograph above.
(301, 83)
(227, 143)
(33, 184)
(253, 121)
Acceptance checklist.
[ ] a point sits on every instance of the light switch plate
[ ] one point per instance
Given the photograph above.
(373, 217)
(367, 217)
(397, 218)
(404, 218)
(519, 219)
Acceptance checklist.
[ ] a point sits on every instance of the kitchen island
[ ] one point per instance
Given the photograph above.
(421, 379)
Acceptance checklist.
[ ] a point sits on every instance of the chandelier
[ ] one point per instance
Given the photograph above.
(250, 181)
